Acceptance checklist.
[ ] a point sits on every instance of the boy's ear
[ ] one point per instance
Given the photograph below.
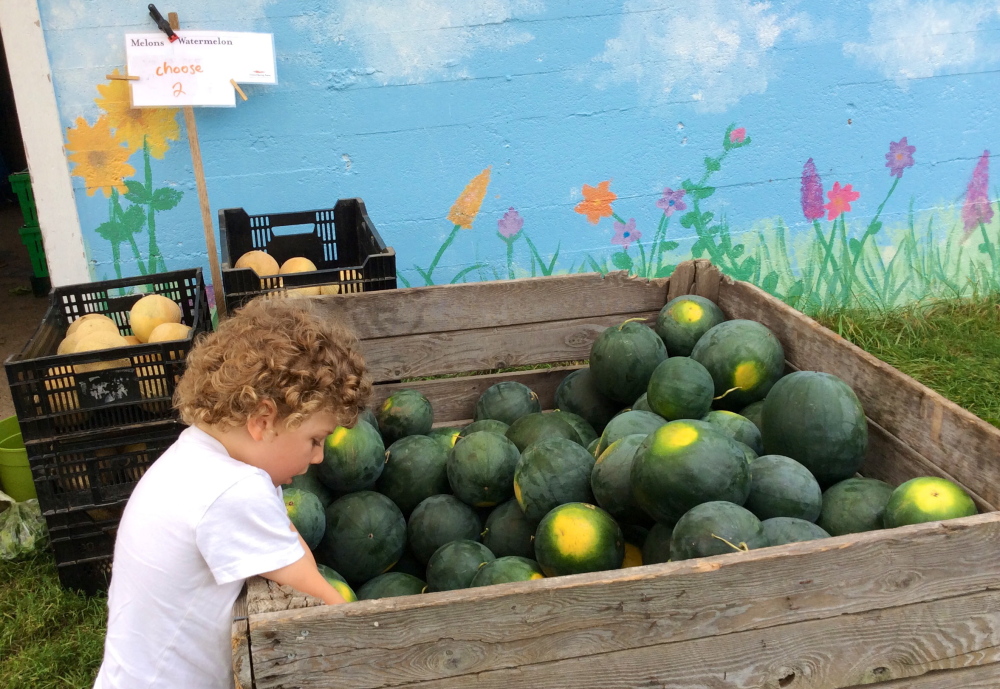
(260, 425)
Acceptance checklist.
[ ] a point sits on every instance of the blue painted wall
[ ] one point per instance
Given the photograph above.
(402, 103)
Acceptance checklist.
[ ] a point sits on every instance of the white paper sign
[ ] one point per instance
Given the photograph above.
(197, 68)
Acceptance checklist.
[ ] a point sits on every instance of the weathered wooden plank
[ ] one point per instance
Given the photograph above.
(387, 643)
(856, 648)
(411, 356)
(242, 663)
(975, 677)
(682, 281)
(939, 430)
(502, 303)
(454, 399)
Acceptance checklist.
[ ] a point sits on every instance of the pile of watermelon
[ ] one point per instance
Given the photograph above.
(682, 440)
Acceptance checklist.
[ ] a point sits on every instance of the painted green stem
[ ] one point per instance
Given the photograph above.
(874, 225)
(156, 262)
(429, 273)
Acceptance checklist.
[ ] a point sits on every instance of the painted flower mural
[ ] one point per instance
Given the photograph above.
(841, 198)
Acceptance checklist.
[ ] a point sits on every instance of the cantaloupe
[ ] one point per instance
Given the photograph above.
(102, 339)
(298, 264)
(258, 261)
(132, 339)
(151, 311)
(90, 318)
(165, 332)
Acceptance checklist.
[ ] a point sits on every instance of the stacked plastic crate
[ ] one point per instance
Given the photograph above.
(31, 234)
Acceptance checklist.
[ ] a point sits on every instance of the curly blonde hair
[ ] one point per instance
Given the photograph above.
(278, 350)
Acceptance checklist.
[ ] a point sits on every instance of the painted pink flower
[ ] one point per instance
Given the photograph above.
(977, 208)
(625, 233)
(738, 135)
(841, 198)
(812, 192)
(510, 224)
(671, 201)
(899, 157)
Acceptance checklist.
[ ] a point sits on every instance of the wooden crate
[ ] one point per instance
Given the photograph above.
(916, 607)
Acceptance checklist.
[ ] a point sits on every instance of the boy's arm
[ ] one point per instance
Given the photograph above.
(303, 575)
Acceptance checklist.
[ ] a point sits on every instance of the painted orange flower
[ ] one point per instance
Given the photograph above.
(98, 156)
(466, 206)
(596, 202)
(157, 125)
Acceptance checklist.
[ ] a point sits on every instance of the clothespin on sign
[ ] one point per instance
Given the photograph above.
(120, 77)
(162, 23)
(238, 89)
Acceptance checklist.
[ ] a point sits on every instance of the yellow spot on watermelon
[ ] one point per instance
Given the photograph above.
(338, 436)
(931, 499)
(674, 437)
(574, 533)
(536, 575)
(390, 566)
(687, 312)
(487, 503)
(747, 375)
(517, 495)
(344, 590)
(387, 405)
(633, 556)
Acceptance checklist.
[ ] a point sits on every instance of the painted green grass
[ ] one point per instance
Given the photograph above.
(49, 638)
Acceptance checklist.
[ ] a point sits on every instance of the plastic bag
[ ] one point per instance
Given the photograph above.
(22, 527)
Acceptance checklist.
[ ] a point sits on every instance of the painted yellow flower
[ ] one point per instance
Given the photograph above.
(98, 156)
(466, 206)
(132, 124)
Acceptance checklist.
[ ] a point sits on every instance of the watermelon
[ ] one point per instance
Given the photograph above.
(817, 420)
(680, 388)
(715, 528)
(311, 482)
(927, 499)
(783, 530)
(415, 469)
(754, 412)
(593, 446)
(446, 436)
(454, 565)
(481, 469)
(854, 505)
(438, 520)
(552, 472)
(642, 404)
(633, 556)
(365, 535)
(391, 585)
(353, 458)
(408, 564)
(579, 424)
(656, 547)
(737, 427)
(306, 513)
(629, 423)
(338, 582)
(507, 401)
(533, 427)
(748, 452)
(610, 480)
(623, 358)
(508, 531)
(577, 537)
(781, 487)
(684, 464)
(504, 570)
(745, 360)
(683, 320)
(406, 412)
(577, 393)
(368, 416)
(491, 425)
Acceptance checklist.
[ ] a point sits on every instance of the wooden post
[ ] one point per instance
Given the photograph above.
(206, 212)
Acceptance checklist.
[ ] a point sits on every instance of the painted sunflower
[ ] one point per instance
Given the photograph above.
(157, 125)
(99, 156)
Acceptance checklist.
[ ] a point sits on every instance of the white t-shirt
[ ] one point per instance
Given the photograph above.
(196, 526)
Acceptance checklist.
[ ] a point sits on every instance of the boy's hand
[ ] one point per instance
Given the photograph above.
(302, 575)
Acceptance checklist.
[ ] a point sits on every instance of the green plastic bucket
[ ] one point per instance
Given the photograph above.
(15, 473)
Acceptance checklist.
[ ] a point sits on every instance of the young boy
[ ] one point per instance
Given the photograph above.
(260, 396)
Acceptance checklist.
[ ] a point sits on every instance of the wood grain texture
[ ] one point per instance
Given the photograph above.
(242, 664)
(975, 677)
(391, 642)
(473, 306)
(946, 435)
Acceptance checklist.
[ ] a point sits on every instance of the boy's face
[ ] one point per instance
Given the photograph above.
(291, 451)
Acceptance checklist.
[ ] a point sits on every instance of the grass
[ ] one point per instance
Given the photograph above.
(49, 638)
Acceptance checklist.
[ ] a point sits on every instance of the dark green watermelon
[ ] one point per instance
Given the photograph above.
(353, 458)
(715, 528)
(745, 360)
(534, 427)
(416, 467)
(656, 547)
(438, 520)
(579, 424)
(781, 487)
(686, 463)
(306, 513)
(736, 427)
(365, 535)
(391, 585)
(754, 412)
(629, 423)
(406, 412)
(683, 320)
(784, 530)
(817, 420)
(642, 404)
(611, 483)
(508, 531)
(854, 505)
(408, 564)
(623, 358)
(446, 436)
(506, 401)
(491, 425)
(594, 446)
(577, 393)
(481, 469)
(504, 570)
(368, 416)
(311, 482)
(455, 564)
(552, 472)
(748, 452)
(680, 388)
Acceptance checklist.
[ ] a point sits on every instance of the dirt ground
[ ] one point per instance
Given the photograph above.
(20, 314)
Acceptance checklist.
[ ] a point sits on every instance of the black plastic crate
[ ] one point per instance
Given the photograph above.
(85, 473)
(88, 576)
(83, 535)
(342, 241)
(57, 395)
